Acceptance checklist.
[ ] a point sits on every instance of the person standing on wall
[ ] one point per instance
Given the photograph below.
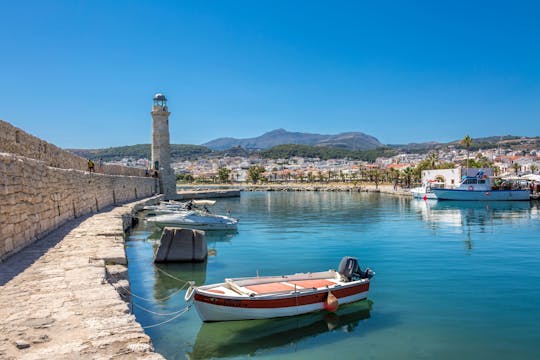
(90, 165)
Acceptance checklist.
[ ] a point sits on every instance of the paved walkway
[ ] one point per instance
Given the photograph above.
(57, 303)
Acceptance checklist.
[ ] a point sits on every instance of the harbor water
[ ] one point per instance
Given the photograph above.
(453, 279)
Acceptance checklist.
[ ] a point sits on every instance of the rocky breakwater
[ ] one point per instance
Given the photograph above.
(71, 302)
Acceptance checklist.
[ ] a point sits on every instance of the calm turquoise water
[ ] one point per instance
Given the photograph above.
(454, 280)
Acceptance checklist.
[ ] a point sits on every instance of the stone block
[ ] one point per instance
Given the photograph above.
(182, 245)
(181, 248)
(200, 250)
(164, 245)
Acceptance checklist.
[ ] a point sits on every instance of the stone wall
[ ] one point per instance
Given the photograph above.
(36, 198)
(16, 141)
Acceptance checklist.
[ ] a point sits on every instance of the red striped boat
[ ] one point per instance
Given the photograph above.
(278, 296)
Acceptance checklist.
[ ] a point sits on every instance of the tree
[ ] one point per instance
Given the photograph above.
(480, 162)
(433, 159)
(184, 177)
(254, 173)
(224, 175)
(516, 167)
(467, 142)
(408, 175)
(534, 168)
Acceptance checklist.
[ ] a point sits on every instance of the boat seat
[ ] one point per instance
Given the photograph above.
(270, 287)
(314, 284)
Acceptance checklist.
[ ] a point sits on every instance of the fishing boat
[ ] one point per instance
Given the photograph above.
(279, 296)
(481, 188)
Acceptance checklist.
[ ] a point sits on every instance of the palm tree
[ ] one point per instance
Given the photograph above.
(516, 167)
(534, 168)
(433, 158)
(467, 142)
(408, 175)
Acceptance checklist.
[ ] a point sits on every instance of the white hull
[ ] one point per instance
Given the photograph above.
(421, 194)
(197, 226)
(477, 195)
(195, 220)
(210, 312)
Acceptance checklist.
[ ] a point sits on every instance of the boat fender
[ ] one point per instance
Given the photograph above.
(331, 303)
(190, 291)
(471, 188)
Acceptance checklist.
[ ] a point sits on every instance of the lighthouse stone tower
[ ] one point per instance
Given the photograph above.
(161, 149)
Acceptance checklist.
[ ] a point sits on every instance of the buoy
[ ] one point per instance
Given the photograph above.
(331, 303)
(425, 197)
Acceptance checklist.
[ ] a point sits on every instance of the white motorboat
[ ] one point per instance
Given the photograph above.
(284, 295)
(480, 188)
(195, 219)
(425, 192)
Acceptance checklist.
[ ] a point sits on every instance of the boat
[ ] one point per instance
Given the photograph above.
(195, 219)
(481, 188)
(425, 192)
(268, 297)
(170, 207)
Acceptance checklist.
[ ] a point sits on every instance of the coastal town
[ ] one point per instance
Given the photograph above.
(404, 167)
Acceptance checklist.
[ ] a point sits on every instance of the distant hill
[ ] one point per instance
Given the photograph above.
(349, 140)
(142, 151)
(505, 141)
(345, 145)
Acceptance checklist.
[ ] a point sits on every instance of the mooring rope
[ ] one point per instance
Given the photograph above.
(143, 298)
(183, 311)
(169, 275)
(176, 314)
(159, 314)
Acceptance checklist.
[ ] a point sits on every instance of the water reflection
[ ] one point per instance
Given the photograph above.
(240, 338)
(462, 216)
(460, 213)
(171, 277)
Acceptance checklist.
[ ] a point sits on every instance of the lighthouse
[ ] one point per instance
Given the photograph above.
(161, 148)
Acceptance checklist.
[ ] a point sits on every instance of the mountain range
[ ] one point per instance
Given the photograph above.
(347, 140)
(282, 144)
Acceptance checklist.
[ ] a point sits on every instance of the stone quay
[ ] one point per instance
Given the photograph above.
(67, 295)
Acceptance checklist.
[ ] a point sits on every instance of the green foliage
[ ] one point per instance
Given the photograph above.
(324, 153)
(185, 178)
(255, 172)
(141, 151)
(224, 175)
(480, 162)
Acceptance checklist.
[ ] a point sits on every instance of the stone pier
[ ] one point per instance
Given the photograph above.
(60, 298)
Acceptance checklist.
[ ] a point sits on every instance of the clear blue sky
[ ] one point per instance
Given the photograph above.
(81, 74)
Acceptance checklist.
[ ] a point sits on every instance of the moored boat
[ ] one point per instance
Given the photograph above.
(195, 219)
(425, 191)
(278, 296)
(481, 188)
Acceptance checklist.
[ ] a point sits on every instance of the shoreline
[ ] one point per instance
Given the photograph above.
(288, 187)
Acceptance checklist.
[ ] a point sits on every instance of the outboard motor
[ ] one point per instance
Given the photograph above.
(349, 268)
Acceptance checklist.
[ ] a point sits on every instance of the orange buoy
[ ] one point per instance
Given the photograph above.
(331, 303)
